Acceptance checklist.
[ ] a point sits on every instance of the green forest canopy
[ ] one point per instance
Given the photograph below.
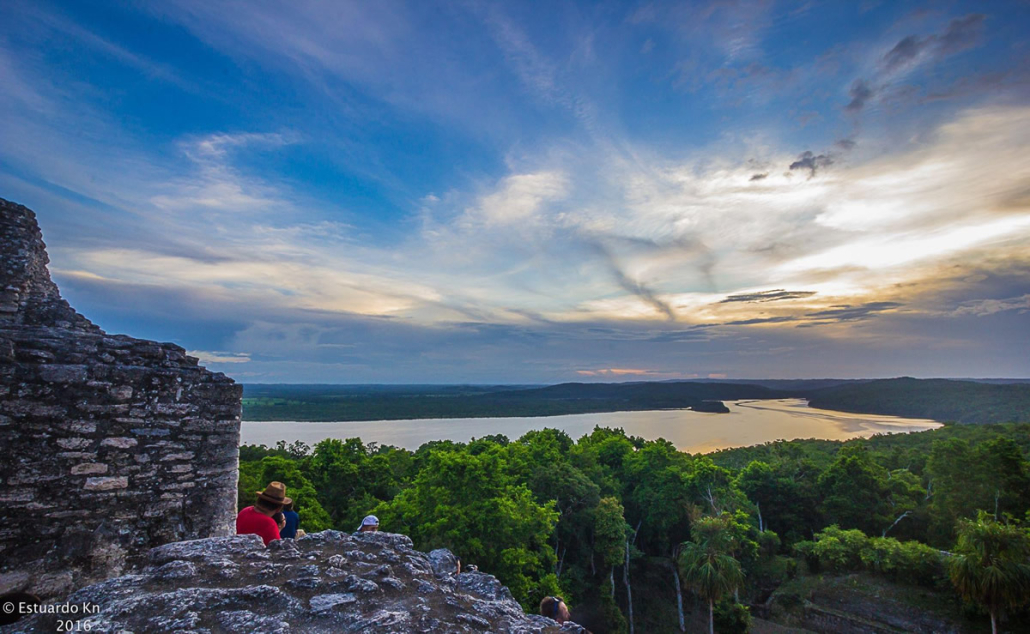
(544, 512)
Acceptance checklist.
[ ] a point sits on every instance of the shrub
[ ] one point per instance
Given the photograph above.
(732, 618)
(849, 550)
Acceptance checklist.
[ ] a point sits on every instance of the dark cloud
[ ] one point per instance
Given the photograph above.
(912, 50)
(761, 320)
(639, 289)
(904, 51)
(811, 162)
(853, 313)
(767, 296)
(703, 258)
(642, 291)
(860, 93)
(845, 144)
(962, 34)
(597, 333)
(837, 314)
(758, 177)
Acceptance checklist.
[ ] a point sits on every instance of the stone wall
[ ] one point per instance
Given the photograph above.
(112, 445)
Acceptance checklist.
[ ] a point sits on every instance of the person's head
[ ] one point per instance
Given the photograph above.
(370, 524)
(554, 608)
(272, 499)
(288, 506)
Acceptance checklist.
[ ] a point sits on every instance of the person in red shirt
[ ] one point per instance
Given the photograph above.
(257, 519)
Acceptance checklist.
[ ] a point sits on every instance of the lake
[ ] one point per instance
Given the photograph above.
(749, 422)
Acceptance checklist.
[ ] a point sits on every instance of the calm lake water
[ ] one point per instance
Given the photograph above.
(749, 422)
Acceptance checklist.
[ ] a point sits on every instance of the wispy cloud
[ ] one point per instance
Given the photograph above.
(768, 296)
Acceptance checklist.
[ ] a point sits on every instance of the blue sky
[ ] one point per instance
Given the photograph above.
(533, 192)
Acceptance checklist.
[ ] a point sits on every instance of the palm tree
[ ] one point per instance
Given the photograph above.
(707, 567)
(990, 566)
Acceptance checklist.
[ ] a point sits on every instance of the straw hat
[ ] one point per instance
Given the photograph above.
(273, 495)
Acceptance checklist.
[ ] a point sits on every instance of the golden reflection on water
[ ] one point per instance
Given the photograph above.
(749, 422)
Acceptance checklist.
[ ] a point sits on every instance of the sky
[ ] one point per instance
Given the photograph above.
(533, 192)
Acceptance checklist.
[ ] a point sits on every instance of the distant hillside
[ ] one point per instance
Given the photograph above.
(940, 399)
(356, 403)
(782, 385)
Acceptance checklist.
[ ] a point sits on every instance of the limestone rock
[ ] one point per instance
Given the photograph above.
(324, 582)
(444, 562)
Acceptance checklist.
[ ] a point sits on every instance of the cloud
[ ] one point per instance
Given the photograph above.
(635, 287)
(811, 162)
(913, 52)
(521, 197)
(853, 313)
(618, 372)
(216, 184)
(961, 34)
(758, 177)
(768, 296)
(760, 320)
(984, 307)
(860, 92)
(207, 356)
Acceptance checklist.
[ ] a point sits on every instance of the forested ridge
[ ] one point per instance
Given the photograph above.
(549, 514)
(937, 399)
(351, 403)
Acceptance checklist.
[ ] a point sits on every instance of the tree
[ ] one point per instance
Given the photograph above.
(784, 495)
(305, 500)
(351, 478)
(609, 539)
(990, 565)
(706, 565)
(473, 506)
(855, 491)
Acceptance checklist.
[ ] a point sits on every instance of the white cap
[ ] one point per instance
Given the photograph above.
(370, 520)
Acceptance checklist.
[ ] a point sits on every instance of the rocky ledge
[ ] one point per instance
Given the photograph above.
(324, 582)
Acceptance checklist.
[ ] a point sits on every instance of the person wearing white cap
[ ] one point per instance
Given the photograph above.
(369, 525)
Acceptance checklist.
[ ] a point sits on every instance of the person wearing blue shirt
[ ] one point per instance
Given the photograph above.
(292, 522)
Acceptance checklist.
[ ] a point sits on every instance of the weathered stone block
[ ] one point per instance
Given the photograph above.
(89, 468)
(56, 373)
(73, 443)
(106, 483)
(119, 443)
(122, 392)
(188, 455)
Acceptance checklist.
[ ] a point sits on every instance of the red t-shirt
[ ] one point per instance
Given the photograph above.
(250, 522)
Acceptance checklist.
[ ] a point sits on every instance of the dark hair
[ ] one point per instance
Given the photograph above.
(549, 607)
(264, 505)
(288, 507)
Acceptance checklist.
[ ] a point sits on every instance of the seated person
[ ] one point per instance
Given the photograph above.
(554, 608)
(369, 525)
(292, 522)
(258, 519)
